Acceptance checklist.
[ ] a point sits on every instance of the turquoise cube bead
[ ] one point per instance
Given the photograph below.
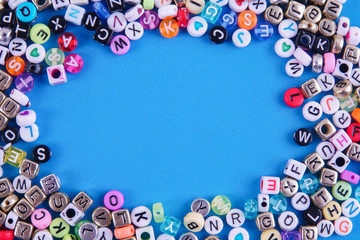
(309, 183)
(251, 209)
(170, 225)
(278, 204)
(211, 12)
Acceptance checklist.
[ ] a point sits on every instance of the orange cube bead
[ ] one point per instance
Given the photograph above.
(356, 114)
(15, 65)
(247, 20)
(124, 232)
(169, 28)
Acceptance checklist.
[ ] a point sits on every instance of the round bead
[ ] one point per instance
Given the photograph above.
(294, 68)
(201, 206)
(342, 119)
(41, 218)
(332, 211)
(218, 34)
(263, 30)
(350, 208)
(342, 190)
(165, 236)
(326, 81)
(26, 12)
(67, 42)
(120, 45)
(343, 226)
(288, 28)
(330, 104)
(312, 215)
(25, 118)
(278, 204)
(241, 38)
(293, 97)
(113, 200)
(197, 26)
(235, 218)
(213, 225)
(312, 111)
(194, 221)
(35, 53)
(238, 233)
(10, 134)
(238, 6)
(15, 65)
(117, 21)
(258, 7)
(29, 133)
(24, 82)
(325, 228)
(353, 133)
(284, 48)
(57, 24)
(303, 136)
(40, 33)
(54, 228)
(300, 201)
(41, 153)
(270, 234)
(309, 183)
(247, 20)
(17, 47)
(195, 6)
(21, 184)
(54, 56)
(73, 63)
(134, 31)
(169, 28)
(104, 232)
(221, 205)
(288, 221)
(149, 20)
(145, 218)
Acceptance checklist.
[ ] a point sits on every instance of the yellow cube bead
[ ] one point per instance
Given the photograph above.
(14, 156)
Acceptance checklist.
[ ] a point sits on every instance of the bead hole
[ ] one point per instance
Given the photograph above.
(325, 129)
(56, 73)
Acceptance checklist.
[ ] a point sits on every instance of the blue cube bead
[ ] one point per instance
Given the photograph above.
(101, 10)
(251, 209)
(263, 30)
(278, 204)
(309, 183)
(170, 225)
(228, 19)
(211, 12)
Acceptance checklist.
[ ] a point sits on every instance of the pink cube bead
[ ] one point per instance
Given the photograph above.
(113, 200)
(350, 177)
(41, 218)
(329, 62)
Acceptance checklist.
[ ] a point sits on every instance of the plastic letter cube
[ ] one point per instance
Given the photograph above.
(72, 215)
(341, 140)
(295, 169)
(56, 74)
(170, 226)
(74, 14)
(251, 209)
(211, 12)
(270, 185)
(14, 156)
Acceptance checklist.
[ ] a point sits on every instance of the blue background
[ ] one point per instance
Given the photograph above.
(171, 121)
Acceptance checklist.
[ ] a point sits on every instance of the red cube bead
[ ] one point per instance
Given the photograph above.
(67, 42)
(183, 17)
(293, 97)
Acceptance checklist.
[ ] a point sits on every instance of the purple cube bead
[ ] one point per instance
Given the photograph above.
(24, 82)
(293, 235)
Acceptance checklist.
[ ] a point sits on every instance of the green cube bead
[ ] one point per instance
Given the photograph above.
(221, 205)
(342, 190)
(14, 156)
(158, 212)
(59, 228)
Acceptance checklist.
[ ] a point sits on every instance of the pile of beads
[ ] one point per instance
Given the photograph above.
(323, 216)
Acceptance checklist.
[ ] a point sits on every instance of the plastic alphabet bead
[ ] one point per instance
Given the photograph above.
(21, 184)
(116, 21)
(235, 218)
(141, 216)
(169, 28)
(44, 235)
(270, 185)
(73, 63)
(295, 169)
(353, 36)
(10, 134)
(120, 45)
(278, 204)
(54, 56)
(35, 53)
(71, 214)
(257, 6)
(212, 12)
(342, 190)
(238, 6)
(134, 13)
(67, 42)
(15, 65)
(26, 12)
(145, 233)
(194, 221)
(288, 221)
(213, 225)
(41, 218)
(74, 14)
(59, 228)
(113, 200)
(330, 104)
(284, 47)
(57, 24)
(332, 211)
(269, 234)
(25, 118)
(17, 47)
(340, 140)
(300, 201)
(312, 215)
(293, 97)
(221, 205)
(149, 20)
(294, 68)
(288, 28)
(343, 226)
(24, 82)
(350, 208)
(238, 233)
(56, 74)
(228, 19)
(170, 225)
(339, 161)
(197, 26)
(251, 209)
(263, 30)
(303, 136)
(161, 3)
(40, 33)
(14, 156)
(158, 212)
(241, 38)
(342, 119)
(312, 111)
